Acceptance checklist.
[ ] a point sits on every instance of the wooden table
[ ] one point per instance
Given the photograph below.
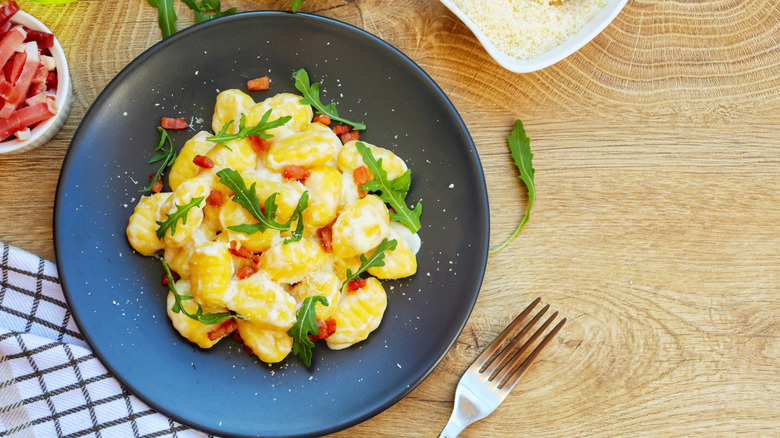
(656, 224)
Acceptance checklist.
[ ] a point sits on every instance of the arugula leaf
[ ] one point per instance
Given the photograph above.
(393, 192)
(296, 5)
(247, 198)
(204, 318)
(520, 150)
(173, 219)
(166, 16)
(245, 131)
(201, 8)
(376, 260)
(311, 96)
(306, 324)
(167, 156)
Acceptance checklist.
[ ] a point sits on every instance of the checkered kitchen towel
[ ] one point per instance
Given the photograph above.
(51, 384)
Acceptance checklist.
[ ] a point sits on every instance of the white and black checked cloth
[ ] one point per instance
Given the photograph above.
(51, 384)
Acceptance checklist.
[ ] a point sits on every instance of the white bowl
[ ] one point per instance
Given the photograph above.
(45, 130)
(579, 39)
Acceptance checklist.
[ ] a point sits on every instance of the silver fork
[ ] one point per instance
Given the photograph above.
(496, 371)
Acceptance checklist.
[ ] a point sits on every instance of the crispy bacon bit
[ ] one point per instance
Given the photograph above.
(361, 175)
(341, 129)
(215, 198)
(246, 271)
(158, 185)
(322, 118)
(165, 281)
(349, 136)
(356, 284)
(174, 123)
(297, 173)
(326, 239)
(326, 329)
(258, 84)
(258, 143)
(222, 330)
(237, 336)
(243, 252)
(203, 161)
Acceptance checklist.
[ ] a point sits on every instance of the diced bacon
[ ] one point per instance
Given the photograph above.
(8, 11)
(45, 40)
(51, 81)
(174, 123)
(258, 143)
(295, 173)
(357, 284)
(325, 329)
(25, 117)
(223, 330)
(322, 118)
(7, 90)
(215, 198)
(341, 129)
(157, 187)
(25, 79)
(10, 42)
(361, 175)
(203, 161)
(259, 84)
(326, 239)
(165, 280)
(349, 136)
(243, 252)
(246, 271)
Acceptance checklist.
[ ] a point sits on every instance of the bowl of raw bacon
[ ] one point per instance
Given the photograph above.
(35, 88)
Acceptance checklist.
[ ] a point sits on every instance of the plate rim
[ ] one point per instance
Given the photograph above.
(184, 33)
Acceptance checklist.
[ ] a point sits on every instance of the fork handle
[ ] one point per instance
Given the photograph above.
(453, 428)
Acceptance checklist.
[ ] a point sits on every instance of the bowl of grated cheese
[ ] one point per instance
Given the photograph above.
(524, 36)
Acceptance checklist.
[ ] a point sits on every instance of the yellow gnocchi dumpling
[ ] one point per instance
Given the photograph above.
(194, 331)
(283, 104)
(350, 159)
(319, 283)
(399, 262)
(183, 168)
(290, 263)
(230, 104)
(324, 187)
(232, 214)
(313, 146)
(186, 192)
(269, 345)
(210, 272)
(263, 302)
(361, 227)
(178, 259)
(240, 156)
(358, 313)
(142, 225)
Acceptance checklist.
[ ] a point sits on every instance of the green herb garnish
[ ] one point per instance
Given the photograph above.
(520, 150)
(311, 96)
(392, 192)
(247, 198)
(173, 219)
(204, 318)
(306, 324)
(376, 260)
(295, 5)
(167, 156)
(245, 131)
(203, 10)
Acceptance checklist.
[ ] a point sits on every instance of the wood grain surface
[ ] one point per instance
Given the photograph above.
(656, 224)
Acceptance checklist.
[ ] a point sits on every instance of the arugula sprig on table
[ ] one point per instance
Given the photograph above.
(375, 260)
(167, 156)
(203, 10)
(244, 131)
(295, 5)
(520, 150)
(247, 198)
(392, 192)
(173, 219)
(311, 96)
(305, 325)
(204, 318)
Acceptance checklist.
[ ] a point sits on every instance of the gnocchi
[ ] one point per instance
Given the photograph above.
(259, 268)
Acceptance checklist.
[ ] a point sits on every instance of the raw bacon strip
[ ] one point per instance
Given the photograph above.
(8, 11)
(25, 79)
(25, 117)
(16, 66)
(45, 40)
(7, 90)
(10, 42)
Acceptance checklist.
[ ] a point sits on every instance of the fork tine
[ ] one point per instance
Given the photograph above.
(520, 371)
(499, 361)
(491, 349)
(508, 366)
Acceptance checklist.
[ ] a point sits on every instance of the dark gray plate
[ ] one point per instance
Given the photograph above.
(116, 296)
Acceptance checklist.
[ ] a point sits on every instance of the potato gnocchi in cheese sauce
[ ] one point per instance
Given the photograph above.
(258, 276)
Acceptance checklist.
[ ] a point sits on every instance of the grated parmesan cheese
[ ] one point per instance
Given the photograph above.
(525, 29)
